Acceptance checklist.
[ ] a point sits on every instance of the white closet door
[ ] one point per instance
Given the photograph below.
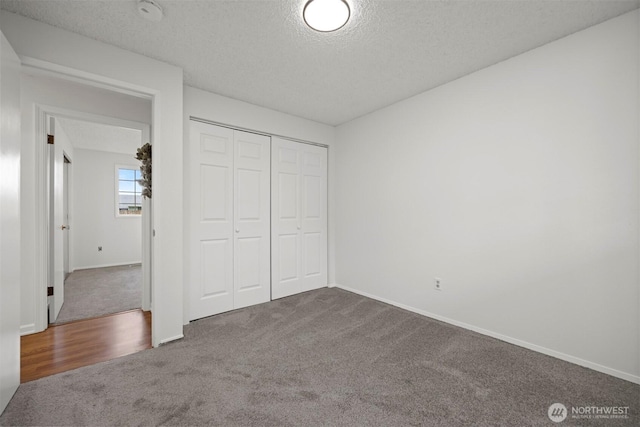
(211, 211)
(252, 283)
(286, 224)
(299, 217)
(313, 188)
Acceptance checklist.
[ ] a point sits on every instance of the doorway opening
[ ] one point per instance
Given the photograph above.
(97, 217)
(77, 114)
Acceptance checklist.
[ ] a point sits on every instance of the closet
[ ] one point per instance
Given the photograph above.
(257, 212)
(229, 219)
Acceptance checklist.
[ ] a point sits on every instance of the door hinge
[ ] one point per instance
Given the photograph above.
(50, 139)
(49, 291)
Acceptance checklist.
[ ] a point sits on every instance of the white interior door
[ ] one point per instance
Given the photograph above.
(313, 187)
(57, 227)
(252, 278)
(9, 222)
(299, 217)
(286, 218)
(230, 219)
(211, 211)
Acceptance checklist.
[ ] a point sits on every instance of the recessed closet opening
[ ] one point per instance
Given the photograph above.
(257, 219)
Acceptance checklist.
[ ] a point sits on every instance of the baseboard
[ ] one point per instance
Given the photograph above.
(27, 329)
(108, 265)
(553, 353)
(174, 338)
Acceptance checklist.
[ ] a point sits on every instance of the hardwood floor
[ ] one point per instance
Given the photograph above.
(84, 342)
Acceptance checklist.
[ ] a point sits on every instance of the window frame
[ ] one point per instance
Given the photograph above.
(117, 191)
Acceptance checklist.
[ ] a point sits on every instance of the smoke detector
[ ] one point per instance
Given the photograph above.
(150, 10)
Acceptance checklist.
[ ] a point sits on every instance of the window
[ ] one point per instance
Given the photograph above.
(129, 197)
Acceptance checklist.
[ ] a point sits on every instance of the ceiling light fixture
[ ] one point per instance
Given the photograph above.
(326, 15)
(150, 10)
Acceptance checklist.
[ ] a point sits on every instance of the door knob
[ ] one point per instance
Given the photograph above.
(237, 230)
(64, 227)
(298, 227)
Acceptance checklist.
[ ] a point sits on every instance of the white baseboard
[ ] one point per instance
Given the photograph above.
(553, 353)
(121, 264)
(167, 340)
(27, 329)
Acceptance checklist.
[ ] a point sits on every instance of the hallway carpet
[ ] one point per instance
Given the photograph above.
(99, 291)
(326, 357)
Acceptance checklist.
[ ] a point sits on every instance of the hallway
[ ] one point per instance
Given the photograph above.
(85, 342)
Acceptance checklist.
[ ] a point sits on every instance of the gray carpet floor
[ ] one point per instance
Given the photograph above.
(99, 291)
(326, 357)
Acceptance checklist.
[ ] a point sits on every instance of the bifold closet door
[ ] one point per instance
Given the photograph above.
(229, 219)
(211, 212)
(299, 217)
(252, 219)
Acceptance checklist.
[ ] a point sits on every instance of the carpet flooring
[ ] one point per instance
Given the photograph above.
(99, 291)
(326, 357)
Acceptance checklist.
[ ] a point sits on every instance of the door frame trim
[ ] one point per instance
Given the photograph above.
(257, 132)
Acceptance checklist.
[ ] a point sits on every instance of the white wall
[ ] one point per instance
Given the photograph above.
(518, 187)
(53, 92)
(79, 57)
(96, 223)
(9, 222)
(220, 109)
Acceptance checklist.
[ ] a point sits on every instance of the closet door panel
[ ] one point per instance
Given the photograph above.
(299, 212)
(288, 249)
(314, 217)
(285, 204)
(214, 197)
(312, 250)
(211, 220)
(288, 200)
(288, 245)
(215, 258)
(249, 191)
(252, 220)
(248, 255)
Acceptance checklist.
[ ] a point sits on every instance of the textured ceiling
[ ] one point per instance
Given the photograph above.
(261, 52)
(94, 136)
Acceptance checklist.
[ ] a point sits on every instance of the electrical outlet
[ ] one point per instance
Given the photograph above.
(437, 284)
(99, 248)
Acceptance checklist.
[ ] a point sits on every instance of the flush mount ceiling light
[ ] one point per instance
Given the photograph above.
(326, 15)
(150, 10)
